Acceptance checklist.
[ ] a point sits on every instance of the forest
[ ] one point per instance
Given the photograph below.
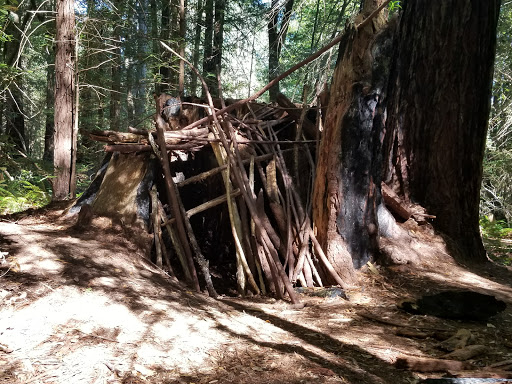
(255, 191)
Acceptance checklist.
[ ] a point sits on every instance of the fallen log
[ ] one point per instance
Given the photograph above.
(423, 364)
(393, 202)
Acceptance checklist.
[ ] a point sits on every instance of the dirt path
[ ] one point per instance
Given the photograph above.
(83, 307)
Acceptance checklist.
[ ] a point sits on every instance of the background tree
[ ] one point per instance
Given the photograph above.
(64, 159)
(278, 23)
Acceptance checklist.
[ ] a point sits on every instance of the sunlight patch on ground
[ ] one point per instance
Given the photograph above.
(468, 280)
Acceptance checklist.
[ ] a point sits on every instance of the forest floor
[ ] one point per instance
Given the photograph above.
(83, 306)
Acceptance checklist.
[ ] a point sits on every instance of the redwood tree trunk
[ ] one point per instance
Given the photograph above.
(438, 112)
(347, 185)
(64, 91)
(50, 102)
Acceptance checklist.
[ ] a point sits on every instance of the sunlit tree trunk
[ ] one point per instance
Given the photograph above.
(63, 184)
(346, 191)
(50, 103)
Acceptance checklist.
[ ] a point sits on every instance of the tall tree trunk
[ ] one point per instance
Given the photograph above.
(439, 109)
(208, 62)
(140, 66)
(279, 21)
(155, 36)
(346, 191)
(63, 184)
(197, 42)
(174, 41)
(115, 93)
(182, 41)
(50, 103)
(432, 142)
(14, 111)
(165, 34)
(218, 38)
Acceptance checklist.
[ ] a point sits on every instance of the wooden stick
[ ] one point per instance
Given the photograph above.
(182, 221)
(325, 261)
(156, 226)
(243, 184)
(202, 176)
(128, 148)
(212, 203)
(173, 200)
(237, 237)
(177, 245)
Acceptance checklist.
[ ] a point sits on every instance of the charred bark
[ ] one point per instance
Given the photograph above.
(347, 186)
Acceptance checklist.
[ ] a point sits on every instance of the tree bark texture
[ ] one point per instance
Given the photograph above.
(64, 91)
(347, 185)
(438, 112)
(49, 118)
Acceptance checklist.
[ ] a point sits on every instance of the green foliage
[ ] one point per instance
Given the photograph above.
(394, 6)
(26, 190)
(497, 238)
(495, 229)
(24, 182)
(496, 192)
(313, 24)
(4, 14)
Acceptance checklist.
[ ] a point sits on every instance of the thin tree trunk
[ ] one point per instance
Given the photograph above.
(115, 70)
(49, 123)
(64, 92)
(14, 111)
(273, 48)
(208, 65)
(277, 31)
(140, 67)
(182, 44)
(218, 37)
(197, 42)
(155, 36)
(165, 35)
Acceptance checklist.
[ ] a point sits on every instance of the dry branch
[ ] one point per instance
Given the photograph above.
(173, 199)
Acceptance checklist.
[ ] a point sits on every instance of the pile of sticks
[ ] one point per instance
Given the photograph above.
(268, 258)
